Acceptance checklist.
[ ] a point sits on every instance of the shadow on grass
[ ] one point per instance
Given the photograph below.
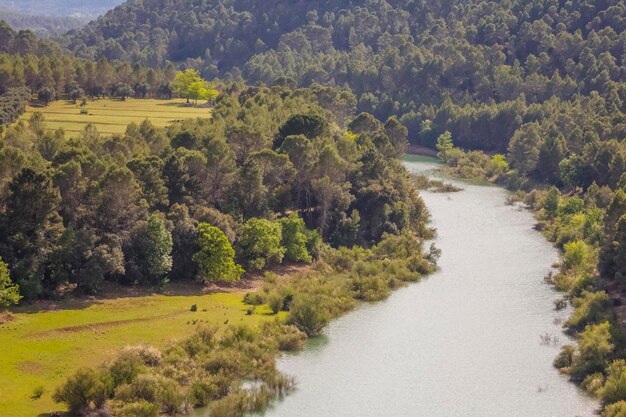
(68, 300)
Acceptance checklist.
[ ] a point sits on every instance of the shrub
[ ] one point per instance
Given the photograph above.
(203, 392)
(149, 355)
(577, 255)
(615, 410)
(37, 392)
(594, 348)
(154, 389)
(126, 368)
(81, 391)
(307, 314)
(291, 339)
(275, 302)
(138, 409)
(369, 288)
(253, 298)
(591, 307)
(614, 388)
(230, 406)
(564, 359)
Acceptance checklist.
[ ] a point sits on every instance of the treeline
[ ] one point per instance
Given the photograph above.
(13, 103)
(52, 73)
(157, 204)
(472, 67)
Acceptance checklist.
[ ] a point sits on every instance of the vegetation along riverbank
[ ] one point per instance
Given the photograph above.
(581, 207)
(270, 178)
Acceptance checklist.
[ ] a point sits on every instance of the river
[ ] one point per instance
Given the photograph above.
(465, 342)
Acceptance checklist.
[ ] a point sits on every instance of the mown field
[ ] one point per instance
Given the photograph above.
(41, 347)
(112, 116)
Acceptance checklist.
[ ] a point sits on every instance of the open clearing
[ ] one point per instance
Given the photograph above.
(111, 116)
(40, 347)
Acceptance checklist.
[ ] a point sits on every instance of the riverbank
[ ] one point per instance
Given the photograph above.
(577, 221)
(464, 342)
(419, 150)
(306, 301)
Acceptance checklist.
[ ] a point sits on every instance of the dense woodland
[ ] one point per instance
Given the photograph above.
(87, 209)
(480, 69)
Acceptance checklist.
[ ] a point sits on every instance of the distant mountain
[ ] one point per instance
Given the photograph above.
(58, 8)
(43, 26)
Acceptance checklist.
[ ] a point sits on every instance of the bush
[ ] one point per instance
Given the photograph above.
(149, 355)
(564, 359)
(307, 314)
(594, 348)
(253, 299)
(126, 368)
(154, 389)
(138, 409)
(591, 307)
(81, 391)
(615, 410)
(577, 255)
(275, 302)
(614, 388)
(37, 392)
(203, 392)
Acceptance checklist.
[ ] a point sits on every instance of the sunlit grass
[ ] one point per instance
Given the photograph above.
(113, 115)
(40, 348)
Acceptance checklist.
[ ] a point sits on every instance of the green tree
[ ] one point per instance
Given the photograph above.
(308, 315)
(551, 201)
(294, 239)
(9, 292)
(216, 257)
(444, 146)
(30, 227)
(260, 244)
(149, 259)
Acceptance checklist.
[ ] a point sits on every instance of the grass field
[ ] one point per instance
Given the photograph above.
(40, 348)
(113, 115)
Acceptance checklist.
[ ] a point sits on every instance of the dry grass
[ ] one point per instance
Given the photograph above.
(111, 116)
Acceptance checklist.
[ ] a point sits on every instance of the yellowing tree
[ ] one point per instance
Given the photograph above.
(190, 85)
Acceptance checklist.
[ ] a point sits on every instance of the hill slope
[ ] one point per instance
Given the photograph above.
(60, 8)
(402, 57)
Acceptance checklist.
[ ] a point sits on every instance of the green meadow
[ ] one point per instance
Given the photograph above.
(42, 346)
(111, 116)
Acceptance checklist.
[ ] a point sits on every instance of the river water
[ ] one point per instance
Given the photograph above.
(465, 342)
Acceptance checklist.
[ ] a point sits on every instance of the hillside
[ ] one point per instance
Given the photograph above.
(59, 8)
(43, 26)
(419, 60)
